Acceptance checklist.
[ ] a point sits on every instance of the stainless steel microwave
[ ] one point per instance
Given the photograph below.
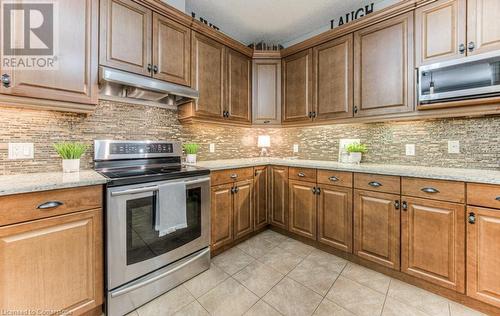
(470, 77)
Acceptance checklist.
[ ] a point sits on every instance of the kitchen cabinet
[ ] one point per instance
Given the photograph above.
(57, 252)
(238, 86)
(171, 51)
(333, 79)
(433, 241)
(266, 97)
(125, 36)
(483, 29)
(302, 208)
(377, 227)
(243, 208)
(261, 193)
(335, 216)
(278, 197)
(221, 215)
(72, 84)
(440, 31)
(384, 67)
(297, 87)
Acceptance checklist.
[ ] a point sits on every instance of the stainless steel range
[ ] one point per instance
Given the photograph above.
(157, 220)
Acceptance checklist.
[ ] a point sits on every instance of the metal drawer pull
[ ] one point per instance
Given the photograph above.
(375, 184)
(234, 176)
(472, 218)
(333, 178)
(135, 191)
(301, 174)
(429, 190)
(497, 198)
(50, 204)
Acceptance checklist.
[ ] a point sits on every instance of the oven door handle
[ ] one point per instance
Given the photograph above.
(202, 180)
(140, 284)
(135, 191)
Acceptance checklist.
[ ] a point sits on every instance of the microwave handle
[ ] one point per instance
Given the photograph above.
(135, 191)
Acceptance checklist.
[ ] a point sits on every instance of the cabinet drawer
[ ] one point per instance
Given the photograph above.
(487, 195)
(231, 175)
(340, 178)
(31, 206)
(302, 174)
(379, 183)
(434, 189)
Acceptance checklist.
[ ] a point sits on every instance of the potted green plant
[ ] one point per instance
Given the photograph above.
(191, 149)
(356, 150)
(70, 152)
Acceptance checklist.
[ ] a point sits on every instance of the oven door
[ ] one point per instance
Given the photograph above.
(134, 247)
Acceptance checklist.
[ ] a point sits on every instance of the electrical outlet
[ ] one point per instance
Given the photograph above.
(453, 147)
(212, 148)
(21, 151)
(410, 149)
(295, 148)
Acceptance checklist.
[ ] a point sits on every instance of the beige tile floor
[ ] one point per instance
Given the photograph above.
(271, 274)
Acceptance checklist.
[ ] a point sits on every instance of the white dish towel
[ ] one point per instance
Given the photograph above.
(171, 213)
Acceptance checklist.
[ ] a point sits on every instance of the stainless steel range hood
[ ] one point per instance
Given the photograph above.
(127, 87)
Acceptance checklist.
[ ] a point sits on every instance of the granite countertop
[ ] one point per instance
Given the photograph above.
(455, 174)
(32, 182)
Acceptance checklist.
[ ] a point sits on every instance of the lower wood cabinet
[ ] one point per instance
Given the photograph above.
(335, 217)
(377, 227)
(433, 241)
(302, 208)
(278, 197)
(222, 215)
(243, 208)
(483, 254)
(261, 194)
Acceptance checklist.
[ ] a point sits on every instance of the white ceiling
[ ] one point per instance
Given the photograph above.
(275, 21)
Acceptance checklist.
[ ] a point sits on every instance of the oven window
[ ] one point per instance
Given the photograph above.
(143, 241)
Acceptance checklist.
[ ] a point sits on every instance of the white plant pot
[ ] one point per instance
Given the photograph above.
(191, 159)
(71, 165)
(355, 157)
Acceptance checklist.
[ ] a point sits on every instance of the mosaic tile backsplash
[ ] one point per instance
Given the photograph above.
(479, 137)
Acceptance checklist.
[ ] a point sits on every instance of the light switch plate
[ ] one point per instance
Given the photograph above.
(212, 148)
(295, 148)
(410, 149)
(453, 147)
(21, 151)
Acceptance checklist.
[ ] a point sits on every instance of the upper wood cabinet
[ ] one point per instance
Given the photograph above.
(383, 67)
(261, 194)
(278, 197)
(171, 51)
(222, 216)
(297, 87)
(440, 31)
(125, 36)
(333, 79)
(74, 78)
(243, 208)
(377, 227)
(302, 208)
(266, 97)
(433, 241)
(207, 68)
(238, 86)
(483, 29)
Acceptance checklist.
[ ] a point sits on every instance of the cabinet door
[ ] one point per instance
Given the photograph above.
(483, 259)
(278, 199)
(297, 87)
(376, 227)
(243, 208)
(302, 208)
(261, 193)
(53, 264)
(335, 217)
(383, 67)
(239, 86)
(74, 76)
(125, 41)
(333, 79)
(440, 31)
(171, 50)
(222, 215)
(483, 29)
(433, 242)
(207, 68)
(266, 87)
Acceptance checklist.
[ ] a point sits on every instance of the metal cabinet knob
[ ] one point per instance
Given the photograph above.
(155, 69)
(6, 80)
(429, 190)
(461, 48)
(49, 205)
(404, 206)
(471, 46)
(396, 204)
(472, 218)
(355, 110)
(150, 67)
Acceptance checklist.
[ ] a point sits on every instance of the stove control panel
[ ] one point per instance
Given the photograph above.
(116, 149)
(135, 148)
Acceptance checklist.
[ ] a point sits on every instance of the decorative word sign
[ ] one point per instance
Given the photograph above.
(353, 15)
(202, 20)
